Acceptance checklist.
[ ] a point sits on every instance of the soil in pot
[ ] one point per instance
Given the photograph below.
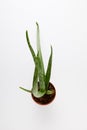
(46, 99)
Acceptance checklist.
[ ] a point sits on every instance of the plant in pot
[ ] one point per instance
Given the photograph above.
(43, 92)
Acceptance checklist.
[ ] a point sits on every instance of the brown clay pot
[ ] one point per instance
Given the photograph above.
(46, 99)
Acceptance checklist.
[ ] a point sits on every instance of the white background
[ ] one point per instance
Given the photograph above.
(63, 24)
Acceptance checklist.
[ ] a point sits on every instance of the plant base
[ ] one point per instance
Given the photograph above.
(46, 99)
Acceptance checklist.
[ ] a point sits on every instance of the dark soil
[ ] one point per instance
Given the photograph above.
(46, 99)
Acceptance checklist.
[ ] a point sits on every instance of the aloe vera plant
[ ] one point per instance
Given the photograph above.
(41, 76)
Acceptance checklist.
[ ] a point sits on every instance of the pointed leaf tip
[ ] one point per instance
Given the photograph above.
(26, 31)
(37, 24)
(27, 35)
(51, 48)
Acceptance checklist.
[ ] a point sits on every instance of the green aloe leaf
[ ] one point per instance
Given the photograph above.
(41, 76)
(39, 48)
(35, 90)
(40, 60)
(35, 83)
(30, 47)
(48, 72)
(35, 78)
(25, 89)
(49, 92)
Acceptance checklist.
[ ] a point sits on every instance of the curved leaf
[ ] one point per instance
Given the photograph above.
(25, 89)
(30, 47)
(48, 72)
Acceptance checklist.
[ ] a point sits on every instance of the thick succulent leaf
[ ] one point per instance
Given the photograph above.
(35, 90)
(49, 92)
(40, 60)
(25, 89)
(48, 72)
(38, 94)
(41, 76)
(35, 77)
(35, 83)
(39, 49)
(30, 47)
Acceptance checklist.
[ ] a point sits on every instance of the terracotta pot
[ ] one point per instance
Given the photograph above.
(46, 99)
